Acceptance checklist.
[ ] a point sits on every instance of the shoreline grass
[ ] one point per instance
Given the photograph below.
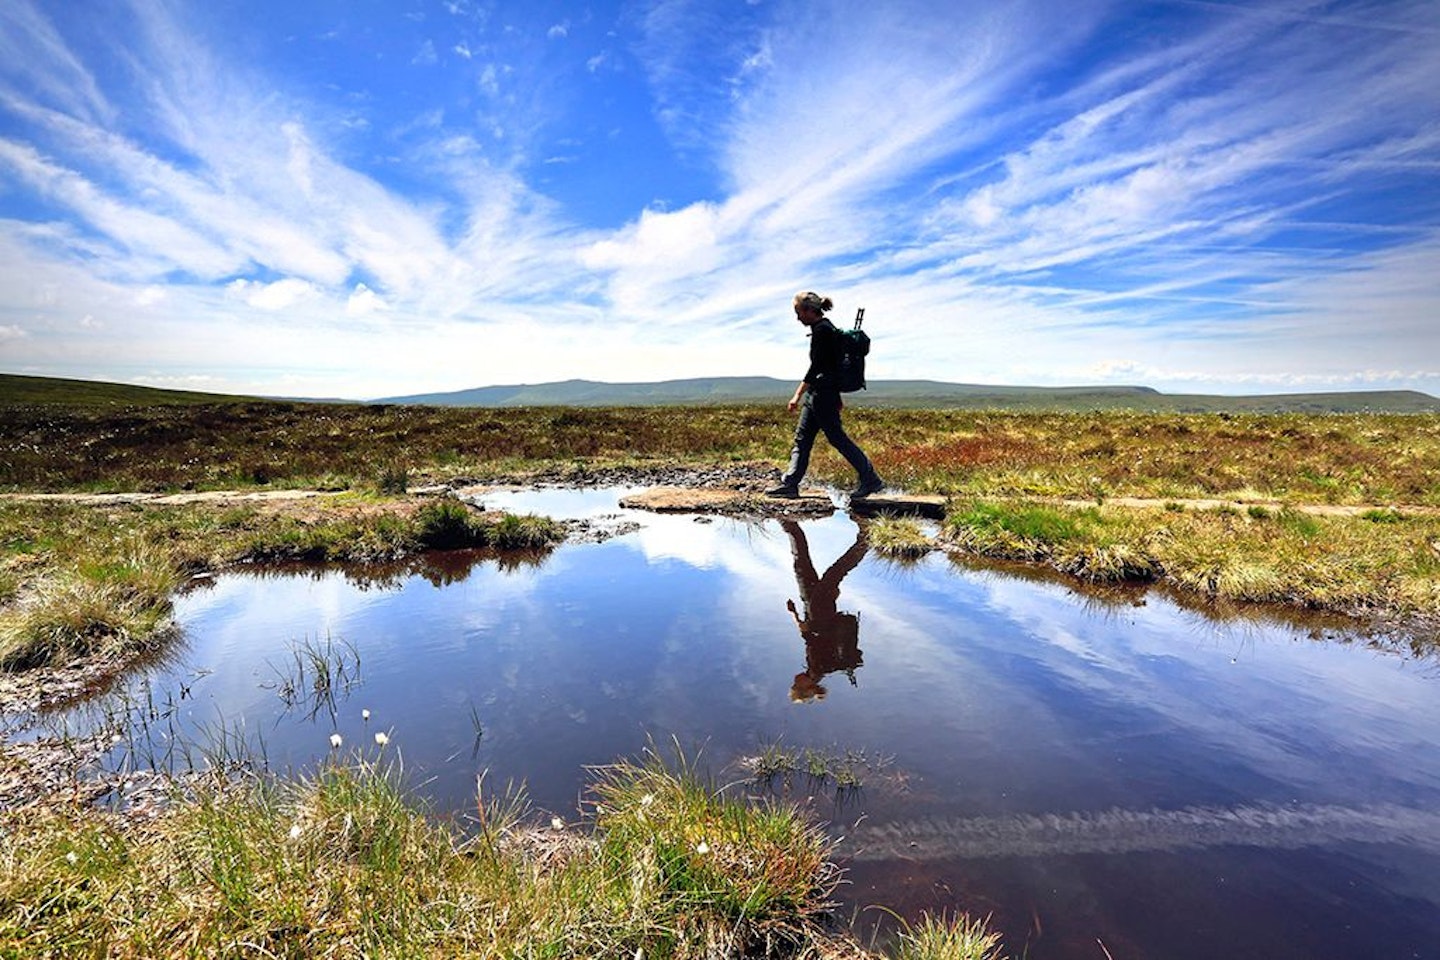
(1384, 569)
(345, 862)
(91, 583)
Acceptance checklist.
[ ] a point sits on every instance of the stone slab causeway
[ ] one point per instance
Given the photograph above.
(810, 503)
(900, 505)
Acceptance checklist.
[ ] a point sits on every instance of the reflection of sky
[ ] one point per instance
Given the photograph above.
(994, 696)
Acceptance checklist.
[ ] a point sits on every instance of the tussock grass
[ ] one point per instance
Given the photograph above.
(671, 839)
(73, 618)
(1339, 563)
(899, 538)
(86, 583)
(935, 938)
(344, 863)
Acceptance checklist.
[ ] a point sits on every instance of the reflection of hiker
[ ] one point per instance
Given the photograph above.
(832, 638)
(818, 397)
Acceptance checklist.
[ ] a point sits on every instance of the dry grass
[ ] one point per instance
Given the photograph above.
(1296, 458)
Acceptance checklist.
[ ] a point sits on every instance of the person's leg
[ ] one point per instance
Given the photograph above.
(827, 410)
(806, 429)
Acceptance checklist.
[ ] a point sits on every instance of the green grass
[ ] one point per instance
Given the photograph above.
(940, 939)
(344, 863)
(98, 584)
(1337, 563)
(899, 538)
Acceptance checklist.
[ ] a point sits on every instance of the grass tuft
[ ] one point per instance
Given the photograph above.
(673, 838)
(960, 938)
(899, 538)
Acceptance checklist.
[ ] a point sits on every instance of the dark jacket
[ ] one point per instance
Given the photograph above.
(825, 354)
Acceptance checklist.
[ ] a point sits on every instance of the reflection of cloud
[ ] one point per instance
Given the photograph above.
(1266, 826)
(1222, 683)
(705, 546)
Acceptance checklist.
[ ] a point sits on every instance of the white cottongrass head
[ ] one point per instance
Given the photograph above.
(702, 848)
(71, 858)
(382, 738)
(364, 714)
(335, 741)
(557, 823)
(295, 831)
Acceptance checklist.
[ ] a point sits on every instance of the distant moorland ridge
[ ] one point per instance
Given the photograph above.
(919, 393)
(15, 389)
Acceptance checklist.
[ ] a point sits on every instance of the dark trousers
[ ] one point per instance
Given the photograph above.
(820, 413)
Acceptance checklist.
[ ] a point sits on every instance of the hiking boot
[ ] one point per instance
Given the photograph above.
(867, 487)
(786, 491)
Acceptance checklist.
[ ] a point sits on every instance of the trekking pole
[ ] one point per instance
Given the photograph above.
(859, 318)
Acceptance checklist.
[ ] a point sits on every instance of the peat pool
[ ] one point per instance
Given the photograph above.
(1099, 775)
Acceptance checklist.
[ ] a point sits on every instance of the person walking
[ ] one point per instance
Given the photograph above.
(818, 399)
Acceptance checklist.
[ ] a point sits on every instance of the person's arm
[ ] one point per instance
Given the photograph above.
(799, 395)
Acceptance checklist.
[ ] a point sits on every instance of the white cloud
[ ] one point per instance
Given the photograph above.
(363, 302)
(1157, 216)
(11, 332)
(32, 49)
(280, 295)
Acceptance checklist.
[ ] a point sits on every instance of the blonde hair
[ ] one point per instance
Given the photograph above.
(814, 301)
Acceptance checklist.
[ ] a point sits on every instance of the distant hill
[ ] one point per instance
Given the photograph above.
(918, 393)
(713, 391)
(15, 389)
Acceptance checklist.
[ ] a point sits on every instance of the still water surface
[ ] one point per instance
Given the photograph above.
(1123, 776)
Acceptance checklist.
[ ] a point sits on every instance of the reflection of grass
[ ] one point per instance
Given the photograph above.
(342, 863)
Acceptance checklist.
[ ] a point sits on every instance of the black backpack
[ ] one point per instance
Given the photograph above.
(854, 346)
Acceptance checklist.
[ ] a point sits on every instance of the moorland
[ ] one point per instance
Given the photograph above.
(1337, 513)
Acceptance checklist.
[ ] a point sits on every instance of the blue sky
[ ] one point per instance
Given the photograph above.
(357, 198)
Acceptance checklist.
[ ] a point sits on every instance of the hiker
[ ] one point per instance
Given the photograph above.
(818, 398)
(832, 637)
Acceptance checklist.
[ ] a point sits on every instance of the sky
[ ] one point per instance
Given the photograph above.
(370, 198)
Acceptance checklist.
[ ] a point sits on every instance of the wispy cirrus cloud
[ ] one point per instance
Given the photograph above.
(1102, 182)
